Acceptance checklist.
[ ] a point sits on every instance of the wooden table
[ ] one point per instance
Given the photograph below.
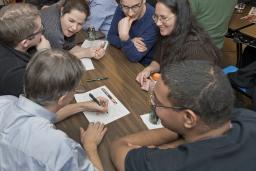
(121, 82)
(242, 32)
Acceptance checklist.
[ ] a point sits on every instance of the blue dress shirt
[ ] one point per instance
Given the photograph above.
(102, 12)
(29, 140)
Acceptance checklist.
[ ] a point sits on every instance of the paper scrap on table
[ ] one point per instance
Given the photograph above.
(145, 119)
(115, 111)
(94, 43)
(87, 62)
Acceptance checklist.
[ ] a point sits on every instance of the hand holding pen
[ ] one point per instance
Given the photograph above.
(99, 104)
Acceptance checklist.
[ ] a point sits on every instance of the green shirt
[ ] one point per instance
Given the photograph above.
(214, 16)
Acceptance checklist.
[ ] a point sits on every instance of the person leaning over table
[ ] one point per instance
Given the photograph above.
(20, 29)
(202, 131)
(62, 21)
(28, 138)
(101, 15)
(181, 38)
(134, 31)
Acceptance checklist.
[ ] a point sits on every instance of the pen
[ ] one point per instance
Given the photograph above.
(110, 97)
(94, 98)
(97, 79)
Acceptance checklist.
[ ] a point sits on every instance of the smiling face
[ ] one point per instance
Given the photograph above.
(72, 22)
(165, 19)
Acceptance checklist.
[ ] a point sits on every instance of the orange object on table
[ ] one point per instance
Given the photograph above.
(155, 76)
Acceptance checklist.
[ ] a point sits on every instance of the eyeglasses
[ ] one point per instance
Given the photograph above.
(41, 30)
(163, 19)
(134, 8)
(153, 118)
(154, 105)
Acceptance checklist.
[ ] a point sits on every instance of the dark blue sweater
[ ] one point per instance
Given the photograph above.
(144, 27)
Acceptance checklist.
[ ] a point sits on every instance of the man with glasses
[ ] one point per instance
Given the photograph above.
(134, 31)
(194, 101)
(20, 29)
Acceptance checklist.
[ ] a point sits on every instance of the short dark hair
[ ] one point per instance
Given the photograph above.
(50, 74)
(202, 87)
(80, 5)
(17, 22)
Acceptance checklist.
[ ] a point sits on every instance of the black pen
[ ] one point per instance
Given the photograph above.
(110, 97)
(97, 79)
(94, 98)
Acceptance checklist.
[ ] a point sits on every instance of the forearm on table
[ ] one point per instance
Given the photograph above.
(80, 52)
(121, 147)
(69, 110)
(131, 51)
(151, 137)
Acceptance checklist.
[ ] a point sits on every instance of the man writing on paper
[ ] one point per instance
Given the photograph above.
(194, 101)
(134, 31)
(28, 138)
(20, 29)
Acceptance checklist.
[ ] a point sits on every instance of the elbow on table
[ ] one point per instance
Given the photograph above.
(118, 152)
(135, 57)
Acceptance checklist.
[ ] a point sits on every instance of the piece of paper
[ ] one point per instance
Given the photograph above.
(252, 11)
(94, 43)
(145, 119)
(87, 62)
(115, 110)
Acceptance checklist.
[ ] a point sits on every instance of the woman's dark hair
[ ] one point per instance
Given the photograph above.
(80, 5)
(186, 27)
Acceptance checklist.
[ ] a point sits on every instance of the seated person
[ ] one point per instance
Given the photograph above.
(180, 34)
(134, 31)
(194, 101)
(62, 22)
(214, 16)
(28, 138)
(102, 12)
(20, 29)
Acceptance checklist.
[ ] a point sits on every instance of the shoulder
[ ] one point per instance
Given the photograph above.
(50, 13)
(147, 158)
(242, 114)
(7, 101)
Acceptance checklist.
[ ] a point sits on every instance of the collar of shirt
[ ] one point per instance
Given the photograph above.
(35, 109)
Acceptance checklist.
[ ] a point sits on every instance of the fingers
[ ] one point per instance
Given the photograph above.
(139, 44)
(99, 53)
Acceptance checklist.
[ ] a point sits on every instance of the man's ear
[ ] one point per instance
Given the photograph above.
(190, 118)
(24, 43)
(62, 101)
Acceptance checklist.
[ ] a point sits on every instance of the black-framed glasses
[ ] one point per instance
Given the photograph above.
(134, 8)
(154, 105)
(41, 30)
(153, 118)
(163, 19)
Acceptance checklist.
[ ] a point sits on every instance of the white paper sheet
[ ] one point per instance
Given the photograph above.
(145, 119)
(87, 62)
(94, 43)
(115, 111)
